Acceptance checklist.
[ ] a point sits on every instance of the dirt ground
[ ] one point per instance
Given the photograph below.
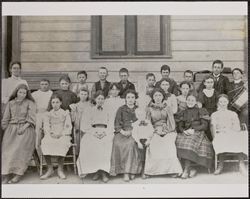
(230, 175)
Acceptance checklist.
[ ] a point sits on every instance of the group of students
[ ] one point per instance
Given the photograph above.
(163, 130)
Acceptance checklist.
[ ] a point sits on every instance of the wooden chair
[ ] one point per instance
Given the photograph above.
(70, 158)
(228, 156)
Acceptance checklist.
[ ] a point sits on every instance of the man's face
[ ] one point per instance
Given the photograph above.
(151, 81)
(123, 76)
(188, 77)
(103, 73)
(44, 86)
(15, 70)
(217, 68)
(237, 75)
(165, 73)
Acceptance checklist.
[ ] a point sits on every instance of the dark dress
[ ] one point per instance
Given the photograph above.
(210, 103)
(235, 90)
(68, 97)
(197, 147)
(126, 156)
(128, 86)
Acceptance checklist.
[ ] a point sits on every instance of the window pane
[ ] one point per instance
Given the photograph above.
(148, 33)
(113, 33)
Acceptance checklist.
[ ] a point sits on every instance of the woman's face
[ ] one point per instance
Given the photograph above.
(56, 103)
(191, 101)
(83, 95)
(82, 78)
(99, 100)
(209, 83)
(64, 84)
(158, 97)
(165, 85)
(237, 75)
(223, 102)
(15, 70)
(185, 89)
(21, 94)
(114, 91)
(130, 99)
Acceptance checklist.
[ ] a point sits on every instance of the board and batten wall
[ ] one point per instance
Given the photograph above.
(63, 43)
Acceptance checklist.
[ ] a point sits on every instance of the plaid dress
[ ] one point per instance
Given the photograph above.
(197, 147)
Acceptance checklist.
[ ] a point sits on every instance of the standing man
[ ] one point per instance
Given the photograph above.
(124, 84)
(102, 84)
(165, 72)
(221, 82)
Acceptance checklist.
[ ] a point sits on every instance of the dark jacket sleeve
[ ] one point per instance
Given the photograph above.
(132, 86)
(226, 85)
(204, 118)
(118, 120)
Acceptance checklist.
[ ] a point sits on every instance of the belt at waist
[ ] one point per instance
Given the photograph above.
(99, 125)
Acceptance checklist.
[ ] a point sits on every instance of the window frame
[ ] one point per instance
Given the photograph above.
(130, 44)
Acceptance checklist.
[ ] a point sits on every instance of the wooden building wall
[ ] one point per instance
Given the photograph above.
(63, 43)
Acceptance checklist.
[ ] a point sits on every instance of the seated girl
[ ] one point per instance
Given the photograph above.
(192, 143)
(96, 144)
(225, 128)
(161, 155)
(182, 98)
(126, 157)
(57, 136)
(18, 124)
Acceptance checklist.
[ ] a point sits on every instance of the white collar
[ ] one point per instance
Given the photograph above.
(15, 78)
(216, 75)
(237, 81)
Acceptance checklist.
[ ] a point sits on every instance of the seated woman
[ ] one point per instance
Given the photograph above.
(126, 156)
(192, 143)
(225, 128)
(161, 155)
(96, 144)
(18, 144)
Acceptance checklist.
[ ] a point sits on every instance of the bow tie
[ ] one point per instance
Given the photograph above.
(99, 108)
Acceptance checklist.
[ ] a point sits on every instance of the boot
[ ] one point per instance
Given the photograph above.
(96, 176)
(15, 179)
(126, 177)
(105, 178)
(49, 173)
(219, 168)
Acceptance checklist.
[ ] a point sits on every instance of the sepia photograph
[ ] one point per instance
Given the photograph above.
(124, 99)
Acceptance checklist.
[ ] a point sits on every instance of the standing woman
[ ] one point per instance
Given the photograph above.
(192, 143)
(161, 155)
(18, 142)
(225, 125)
(126, 157)
(10, 84)
(96, 144)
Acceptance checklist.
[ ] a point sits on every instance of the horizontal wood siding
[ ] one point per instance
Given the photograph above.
(63, 43)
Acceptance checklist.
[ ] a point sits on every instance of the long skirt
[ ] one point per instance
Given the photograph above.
(161, 156)
(231, 142)
(126, 156)
(95, 154)
(17, 150)
(55, 147)
(196, 148)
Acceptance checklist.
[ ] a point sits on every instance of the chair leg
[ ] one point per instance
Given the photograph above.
(74, 160)
(41, 165)
(215, 161)
(36, 160)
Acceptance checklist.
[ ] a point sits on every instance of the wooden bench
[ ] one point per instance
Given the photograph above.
(34, 78)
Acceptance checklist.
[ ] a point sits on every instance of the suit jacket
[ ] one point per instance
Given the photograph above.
(221, 86)
(173, 88)
(97, 87)
(129, 85)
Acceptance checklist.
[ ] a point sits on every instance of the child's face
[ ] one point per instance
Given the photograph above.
(44, 86)
(217, 68)
(123, 76)
(209, 83)
(237, 75)
(158, 97)
(165, 85)
(64, 85)
(21, 94)
(165, 73)
(188, 77)
(103, 74)
(184, 89)
(130, 99)
(151, 81)
(99, 100)
(56, 103)
(223, 102)
(81, 78)
(15, 70)
(114, 91)
(191, 101)
(83, 95)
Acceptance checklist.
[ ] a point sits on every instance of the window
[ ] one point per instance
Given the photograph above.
(140, 36)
